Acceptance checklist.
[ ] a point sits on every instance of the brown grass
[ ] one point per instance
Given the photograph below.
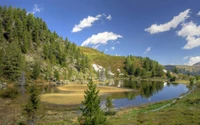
(75, 94)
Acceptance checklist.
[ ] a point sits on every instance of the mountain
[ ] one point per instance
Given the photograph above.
(184, 69)
(197, 64)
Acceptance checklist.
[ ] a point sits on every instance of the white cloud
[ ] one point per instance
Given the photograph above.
(155, 28)
(147, 50)
(191, 32)
(198, 14)
(101, 38)
(36, 8)
(86, 22)
(89, 21)
(193, 60)
(186, 57)
(117, 55)
(113, 48)
(106, 50)
(109, 17)
(96, 46)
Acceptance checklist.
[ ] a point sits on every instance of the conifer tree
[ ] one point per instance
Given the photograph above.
(91, 111)
(168, 74)
(36, 70)
(32, 106)
(56, 75)
(12, 62)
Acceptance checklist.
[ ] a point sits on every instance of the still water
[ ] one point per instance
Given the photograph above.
(148, 92)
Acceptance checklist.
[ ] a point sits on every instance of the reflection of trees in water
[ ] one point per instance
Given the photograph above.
(130, 95)
(174, 84)
(147, 88)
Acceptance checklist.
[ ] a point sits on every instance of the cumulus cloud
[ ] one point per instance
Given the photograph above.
(36, 8)
(89, 21)
(147, 50)
(109, 17)
(112, 48)
(198, 14)
(86, 22)
(193, 60)
(156, 28)
(101, 38)
(191, 32)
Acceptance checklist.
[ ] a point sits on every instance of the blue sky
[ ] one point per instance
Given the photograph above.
(164, 30)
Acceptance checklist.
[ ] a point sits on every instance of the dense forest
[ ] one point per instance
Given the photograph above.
(25, 38)
(139, 66)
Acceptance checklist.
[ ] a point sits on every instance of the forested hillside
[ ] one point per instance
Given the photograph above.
(26, 44)
(130, 65)
(139, 66)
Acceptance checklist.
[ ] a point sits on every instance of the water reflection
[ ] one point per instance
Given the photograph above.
(148, 91)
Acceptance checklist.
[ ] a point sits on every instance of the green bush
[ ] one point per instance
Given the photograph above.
(173, 79)
(9, 93)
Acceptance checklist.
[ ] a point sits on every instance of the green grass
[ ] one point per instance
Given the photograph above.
(185, 111)
(107, 61)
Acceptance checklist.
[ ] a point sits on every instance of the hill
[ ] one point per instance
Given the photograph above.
(130, 65)
(107, 61)
(27, 45)
(184, 69)
(197, 64)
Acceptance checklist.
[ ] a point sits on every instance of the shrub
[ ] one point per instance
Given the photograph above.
(173, 79)
(9, 93)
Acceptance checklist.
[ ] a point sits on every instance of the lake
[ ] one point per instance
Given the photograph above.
(148, 92)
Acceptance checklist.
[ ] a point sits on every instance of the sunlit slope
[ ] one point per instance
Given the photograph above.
(107, 61)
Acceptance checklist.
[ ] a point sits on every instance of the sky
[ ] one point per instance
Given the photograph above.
(167, 31)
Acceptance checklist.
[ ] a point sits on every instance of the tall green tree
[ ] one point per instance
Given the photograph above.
(56, 75)
(91, 111)
(12, 62)
(168, 74)
(36, 70)
(32, 106)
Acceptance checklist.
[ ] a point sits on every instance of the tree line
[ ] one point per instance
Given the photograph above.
(139, 66)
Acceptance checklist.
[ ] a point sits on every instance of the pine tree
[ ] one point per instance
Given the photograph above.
(36, 70)
(153, 73)
(168, 74)
(56, 75)
(12, 62)
(91, 111)
(138, 72)
(32, 106)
